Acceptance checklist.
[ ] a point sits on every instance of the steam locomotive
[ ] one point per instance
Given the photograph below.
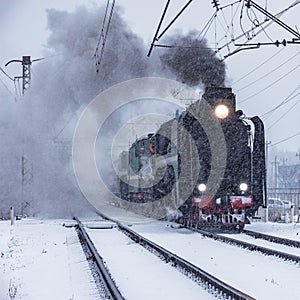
(209, 161)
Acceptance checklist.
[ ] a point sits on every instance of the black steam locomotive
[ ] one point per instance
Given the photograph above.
(209, 161)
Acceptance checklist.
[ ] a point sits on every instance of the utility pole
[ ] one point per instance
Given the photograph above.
(26, 63)
(275, 169)
(275, 174)
(26, 73)
(298, 154)
(26, 70)
(267, 156)
(26, 165)
(27, 184)
(284, 175)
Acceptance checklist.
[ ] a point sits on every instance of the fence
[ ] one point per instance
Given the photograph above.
(290, 194)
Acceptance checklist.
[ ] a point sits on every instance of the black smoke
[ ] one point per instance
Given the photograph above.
(193, 61)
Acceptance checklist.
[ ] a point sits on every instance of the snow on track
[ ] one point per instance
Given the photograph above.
(263, 277)
(140, 274)
(263, 243)
(283, 230)
(43, 260)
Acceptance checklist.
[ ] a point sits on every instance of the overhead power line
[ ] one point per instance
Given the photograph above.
(226, 24)
(6, 87)
(26, 63)
(283, 114)
(284, 140)
(270, 72)
(272, 17)
(247, 34)
(104, 32)
(259, 66)
(268, 86)
(6, 74)
(285, 101)
(269, 20)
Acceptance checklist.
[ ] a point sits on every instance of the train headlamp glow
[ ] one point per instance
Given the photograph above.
(243, 187)
(221, 111)
(202, 187)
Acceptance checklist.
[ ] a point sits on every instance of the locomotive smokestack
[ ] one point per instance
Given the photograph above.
(215, 95)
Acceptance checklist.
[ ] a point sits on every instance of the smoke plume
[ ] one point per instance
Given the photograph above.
(44, 120)
(193, 61)
(62, 85)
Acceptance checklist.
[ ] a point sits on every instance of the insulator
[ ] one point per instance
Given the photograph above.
(216, 4)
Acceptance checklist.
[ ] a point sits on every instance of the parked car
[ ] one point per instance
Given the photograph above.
(278, 203)
(275, 202)
(279, 210)
(287, 204)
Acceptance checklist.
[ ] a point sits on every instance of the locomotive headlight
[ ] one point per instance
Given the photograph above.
(221, 111)
(202, 187)
(243, 187)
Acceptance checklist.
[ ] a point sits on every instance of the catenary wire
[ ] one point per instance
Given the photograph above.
(284, 140)
(268, 86)
(270, 72)
(283, 115)
(6, 87)
(104, 33)
(246, 33)
(259, 66)
(6, 74)
(286, 100)
(260, 25)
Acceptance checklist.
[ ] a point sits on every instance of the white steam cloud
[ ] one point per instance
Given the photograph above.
(41, 124)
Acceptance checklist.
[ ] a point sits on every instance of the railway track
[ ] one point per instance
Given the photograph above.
(272, 238)
(209, 282)
(107, 282)
(250, 246)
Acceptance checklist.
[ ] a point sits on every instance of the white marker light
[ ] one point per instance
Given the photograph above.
(243, 187)
(221, 111)
(202, 187)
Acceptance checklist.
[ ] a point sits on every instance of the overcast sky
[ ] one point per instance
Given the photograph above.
(23, 31)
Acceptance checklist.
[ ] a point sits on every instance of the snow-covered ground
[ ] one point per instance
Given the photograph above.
(140, 274)
(263, 277)
(281, 230)
(43, 260)
(285, 230)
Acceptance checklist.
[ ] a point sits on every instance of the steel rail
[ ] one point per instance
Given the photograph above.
(104, 274)
(272, 238)
(248, 246)
(188, 268)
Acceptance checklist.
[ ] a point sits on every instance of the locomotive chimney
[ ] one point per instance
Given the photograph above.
(220, 95)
